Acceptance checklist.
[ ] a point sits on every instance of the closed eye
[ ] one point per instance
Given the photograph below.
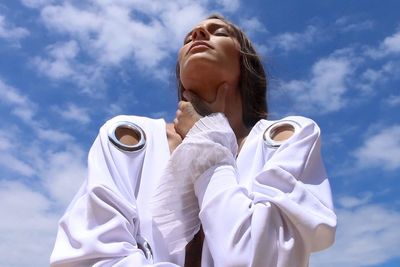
(221, 32)
(187, 40)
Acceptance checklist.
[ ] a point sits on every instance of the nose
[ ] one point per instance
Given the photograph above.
(199, 33)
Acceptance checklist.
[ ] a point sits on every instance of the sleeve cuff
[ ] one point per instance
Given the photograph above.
(214, 128)
(215, 121)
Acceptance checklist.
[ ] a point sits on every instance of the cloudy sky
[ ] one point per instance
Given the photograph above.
(67, 66)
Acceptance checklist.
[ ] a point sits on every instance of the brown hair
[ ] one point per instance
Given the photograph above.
(252, 80)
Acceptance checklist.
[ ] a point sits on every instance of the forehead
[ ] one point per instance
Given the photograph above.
(208, 22)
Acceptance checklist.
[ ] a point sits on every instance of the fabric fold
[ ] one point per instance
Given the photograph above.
(175, 208)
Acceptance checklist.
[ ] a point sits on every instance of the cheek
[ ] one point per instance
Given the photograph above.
(231, 51)
(180, 54)
(232, 57)
(180, 60)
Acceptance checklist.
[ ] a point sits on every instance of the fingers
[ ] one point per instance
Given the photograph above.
(184, 106)
(174, 139)
(199, 105)
(205, 108)
(187, 95)
(186, 117)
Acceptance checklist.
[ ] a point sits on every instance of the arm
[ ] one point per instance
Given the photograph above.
(100, 227)
(287, 213)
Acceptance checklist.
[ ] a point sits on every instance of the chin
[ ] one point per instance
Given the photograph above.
(202, 79)
(206, 93)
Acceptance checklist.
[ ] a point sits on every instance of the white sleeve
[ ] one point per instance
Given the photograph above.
(286, 215)
(100, 226)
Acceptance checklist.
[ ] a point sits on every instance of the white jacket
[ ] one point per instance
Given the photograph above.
(266, 206)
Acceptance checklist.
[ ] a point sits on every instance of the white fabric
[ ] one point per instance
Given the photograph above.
(100, 226)
(271, 207)
(175, 206)
(267, 207)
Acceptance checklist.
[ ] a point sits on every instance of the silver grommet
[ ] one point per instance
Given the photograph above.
(144, 246)
(127, 125)
(271, 131)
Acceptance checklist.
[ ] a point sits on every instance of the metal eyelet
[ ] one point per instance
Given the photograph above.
(271, 130)
(128, 125)
(144, 246)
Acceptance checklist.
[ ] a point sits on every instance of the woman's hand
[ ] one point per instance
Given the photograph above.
(206, 108)
(186, 117)
(189, 113)
(174, 139)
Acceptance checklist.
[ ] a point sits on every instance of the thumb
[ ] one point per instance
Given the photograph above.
(200, 106)
(188, 95)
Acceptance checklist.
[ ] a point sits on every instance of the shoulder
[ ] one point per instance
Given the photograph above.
(141, 125)
(141, 121)
(276, 132)
(300, 120)
(132, 118)
(295, 121)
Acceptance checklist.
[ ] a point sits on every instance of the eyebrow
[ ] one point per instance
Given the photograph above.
(214, 25)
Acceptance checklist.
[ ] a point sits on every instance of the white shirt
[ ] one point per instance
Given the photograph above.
(267, 207)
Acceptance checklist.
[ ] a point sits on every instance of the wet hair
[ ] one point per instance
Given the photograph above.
(252, 80)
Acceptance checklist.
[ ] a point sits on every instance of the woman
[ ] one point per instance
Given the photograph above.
(258, 188)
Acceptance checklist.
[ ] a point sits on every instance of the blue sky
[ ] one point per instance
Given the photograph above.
(67, 66)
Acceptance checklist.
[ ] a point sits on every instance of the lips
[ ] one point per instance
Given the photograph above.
(199, 44)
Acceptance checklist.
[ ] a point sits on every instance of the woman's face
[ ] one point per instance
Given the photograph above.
(209, 57)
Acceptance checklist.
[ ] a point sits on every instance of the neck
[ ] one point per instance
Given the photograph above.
(240, 130)
(205, 88)
(234, 113)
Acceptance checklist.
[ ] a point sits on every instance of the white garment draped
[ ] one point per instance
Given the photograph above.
(270, 207)
(263, 207)
(101, 225)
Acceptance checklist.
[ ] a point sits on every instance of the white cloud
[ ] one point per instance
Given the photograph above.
(381, 149)
(5, 144)
(366, 236)
(62, 169)
(55, 172)
(325, 89)
(22, 107)
(112, 32)
(81, 21)
(11, 33)
(36, 3)
(63, 173)
(389, 46)
(108, 33)
(9, 146)
(51, 135)
(25, 109)
(346, 24)
(61, 62)
(32, 211)
(14, 164)
(27, 226)
(74, 113)
(389, 70)
(352, 201)
(252, 26)
(179, 20)
(393, 100)
(372, 78)
(294, 41)
(229, 5)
